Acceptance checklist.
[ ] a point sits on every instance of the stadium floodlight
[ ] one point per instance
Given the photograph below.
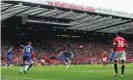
(29, 28)
(16, 27)
(2, 26)
(64, 30)
(42, 29)
(84, 31)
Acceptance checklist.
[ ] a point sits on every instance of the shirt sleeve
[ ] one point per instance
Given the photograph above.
(23, 49)
(114, 41)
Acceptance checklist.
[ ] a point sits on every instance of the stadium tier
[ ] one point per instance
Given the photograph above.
(71, 19)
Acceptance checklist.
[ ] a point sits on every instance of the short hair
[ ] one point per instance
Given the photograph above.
(29, 43)
(119, 33)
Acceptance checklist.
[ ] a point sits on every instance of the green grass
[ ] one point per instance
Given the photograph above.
(76, 72)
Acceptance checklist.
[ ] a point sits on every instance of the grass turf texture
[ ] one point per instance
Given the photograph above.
(76, 72)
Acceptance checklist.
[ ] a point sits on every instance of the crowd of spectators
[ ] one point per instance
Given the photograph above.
(89, 52)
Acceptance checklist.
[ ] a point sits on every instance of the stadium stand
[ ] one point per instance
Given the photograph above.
(43, 22)
(91, 53)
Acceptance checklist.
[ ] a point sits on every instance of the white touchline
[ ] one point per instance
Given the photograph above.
(92, 71)
(23, 78)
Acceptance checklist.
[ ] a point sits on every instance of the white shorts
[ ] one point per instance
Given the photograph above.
(42, 60)
(105, 59)
(32, 61)
(120, 55)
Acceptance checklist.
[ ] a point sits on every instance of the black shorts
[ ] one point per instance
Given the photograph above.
(67, 59)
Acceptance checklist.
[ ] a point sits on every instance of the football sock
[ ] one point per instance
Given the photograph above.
(26, 67)
(21, 67)
(67, 66)
(122, 69)
(106, 63)
(9, 66)
(103, 64)
(30, 66)
(115, 67)
(5, 66)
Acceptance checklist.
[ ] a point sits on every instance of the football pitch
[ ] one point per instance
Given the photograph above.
(76, 72)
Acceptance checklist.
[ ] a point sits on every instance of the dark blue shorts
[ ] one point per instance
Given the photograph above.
(27, 58)
(111, 60)
(61, 60)
(9, 60)
(67, 59)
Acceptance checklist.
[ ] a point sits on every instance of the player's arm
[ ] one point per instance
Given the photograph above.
(34, 56)
(59, 54)
(71, 55)
(23, 50)
(125, 44)
(114, 45)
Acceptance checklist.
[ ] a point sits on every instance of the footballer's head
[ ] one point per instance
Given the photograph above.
(104, 51)
(119, 33)
(111, 49)
(29, 43)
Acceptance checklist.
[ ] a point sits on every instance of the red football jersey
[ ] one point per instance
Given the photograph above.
(32, 56)
(104, 55)
(120, 43)
(44, 57)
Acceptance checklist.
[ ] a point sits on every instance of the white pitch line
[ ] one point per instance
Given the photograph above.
(24, 78)
(91, 71)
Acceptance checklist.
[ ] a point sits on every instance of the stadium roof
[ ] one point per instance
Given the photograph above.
(75, 18)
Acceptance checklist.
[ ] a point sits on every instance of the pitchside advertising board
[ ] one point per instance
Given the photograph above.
(78, 7)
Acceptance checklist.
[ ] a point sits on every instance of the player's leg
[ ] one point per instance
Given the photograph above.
(68, 62)
(111, 62)
(123, 59)
(21, 67)
(29, 66)
(115, 68)
(61, 61)
(104, 62)
(31, 63)
(7, 62)
(23, 64)
(115, 64)
(42, 62)
(10, 63)
(122, 67)
(28, 61)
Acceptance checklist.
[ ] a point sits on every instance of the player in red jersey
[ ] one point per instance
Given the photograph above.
(119, 48)
(104, 58)
(44, 59)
